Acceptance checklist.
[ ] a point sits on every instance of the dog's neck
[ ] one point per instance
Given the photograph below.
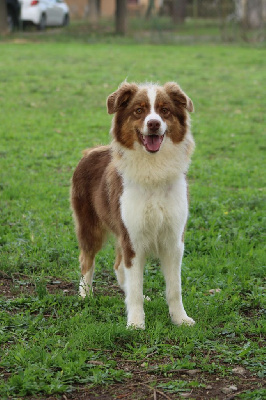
(153, 169)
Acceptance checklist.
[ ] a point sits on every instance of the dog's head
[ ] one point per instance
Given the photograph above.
(148, 113)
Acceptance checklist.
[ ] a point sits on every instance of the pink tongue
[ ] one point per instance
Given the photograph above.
(152, 142)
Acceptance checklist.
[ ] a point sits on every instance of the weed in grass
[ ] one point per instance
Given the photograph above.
(253, 395)
(178, 386)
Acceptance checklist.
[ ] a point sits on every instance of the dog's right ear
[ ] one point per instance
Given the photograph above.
(120, 97)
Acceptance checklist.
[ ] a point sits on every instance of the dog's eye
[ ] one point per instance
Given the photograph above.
(165, 111)
(138, 111)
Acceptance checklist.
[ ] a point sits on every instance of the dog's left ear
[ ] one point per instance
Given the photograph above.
(178, 96)
(121, 97)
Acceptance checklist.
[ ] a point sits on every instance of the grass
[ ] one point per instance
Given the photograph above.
(52, 100)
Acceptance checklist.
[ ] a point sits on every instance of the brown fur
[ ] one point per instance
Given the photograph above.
(96, 188)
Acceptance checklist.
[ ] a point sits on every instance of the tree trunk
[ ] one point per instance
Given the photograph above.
(121, 16)
(93, 10)
(179, 11)
(99, 8)
(249, 13)
(149, 9)
(254, 13)
(3, 17)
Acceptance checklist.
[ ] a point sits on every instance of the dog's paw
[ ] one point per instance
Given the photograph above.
(136, 320)
(131, 325)
(188, 321)
(183, 320)
(82, 292)
(85, 289)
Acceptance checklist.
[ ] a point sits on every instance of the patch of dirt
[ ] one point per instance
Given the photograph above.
(148, 384)
(19, 284)
(12, 287)
(144, 386)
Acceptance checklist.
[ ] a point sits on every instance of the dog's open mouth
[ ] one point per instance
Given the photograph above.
(152, 143)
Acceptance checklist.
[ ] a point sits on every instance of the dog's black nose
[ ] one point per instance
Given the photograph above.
(153, 125)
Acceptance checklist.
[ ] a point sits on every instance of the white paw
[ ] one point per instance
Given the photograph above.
(84, 289)
(82, 292)
(136, 320)
(133, 325)
(183, 320)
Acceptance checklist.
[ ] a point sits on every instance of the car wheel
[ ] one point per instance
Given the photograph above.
(65, 20)
(42, 24)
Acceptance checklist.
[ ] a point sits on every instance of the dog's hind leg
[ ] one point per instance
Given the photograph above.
(90, 243)
(119, 268)
(87, 265)
(90, 235)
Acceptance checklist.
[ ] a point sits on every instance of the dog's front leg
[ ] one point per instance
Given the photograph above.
(171, 267)
(134, 293)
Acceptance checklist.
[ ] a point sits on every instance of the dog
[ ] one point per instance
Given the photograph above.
(136, 188)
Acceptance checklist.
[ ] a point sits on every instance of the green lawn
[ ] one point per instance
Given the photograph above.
(52, 102)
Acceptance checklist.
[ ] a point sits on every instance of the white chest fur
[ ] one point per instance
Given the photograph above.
(154, 216)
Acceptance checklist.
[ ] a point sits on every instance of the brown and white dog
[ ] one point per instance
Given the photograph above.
(136, 188)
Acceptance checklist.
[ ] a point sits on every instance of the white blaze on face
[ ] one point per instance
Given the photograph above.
(152, 93)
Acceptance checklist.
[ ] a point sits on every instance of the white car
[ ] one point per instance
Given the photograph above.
(44, 13)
